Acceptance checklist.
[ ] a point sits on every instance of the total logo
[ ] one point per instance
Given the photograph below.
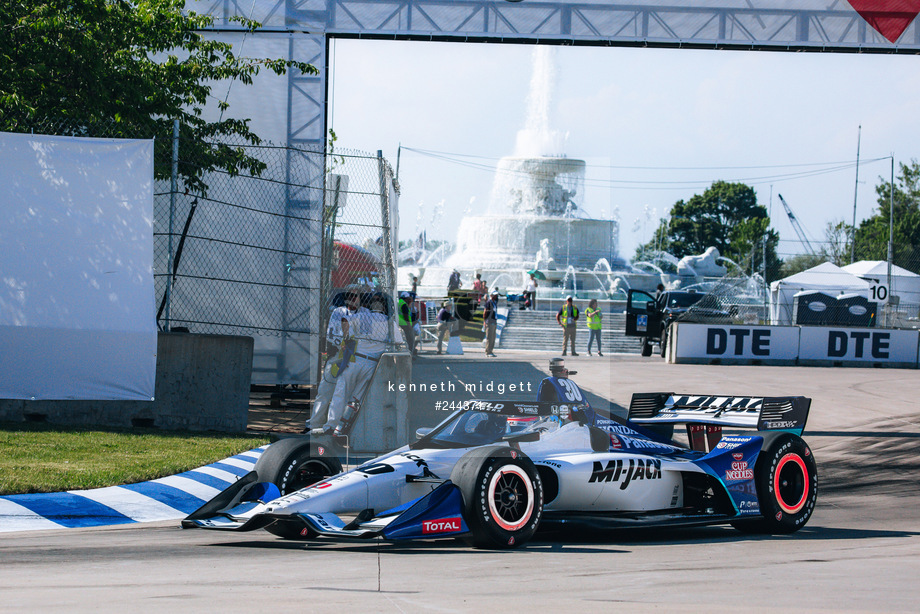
(442, 525)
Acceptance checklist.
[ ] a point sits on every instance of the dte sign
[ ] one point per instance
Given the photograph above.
(839, 343)
(738, 341)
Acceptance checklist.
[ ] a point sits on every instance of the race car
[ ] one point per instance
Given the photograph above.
(494, 471)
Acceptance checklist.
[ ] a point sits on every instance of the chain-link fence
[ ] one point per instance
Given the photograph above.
(863, 293)
(265, 254)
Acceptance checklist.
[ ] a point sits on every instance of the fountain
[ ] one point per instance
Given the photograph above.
(536, 220)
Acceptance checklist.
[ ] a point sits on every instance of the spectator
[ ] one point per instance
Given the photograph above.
(414, 285)
(490, 323)
(530, 294)
(371, 330)
(593, 315)
(454, 282)
(444, 319)
(339, 351)
(567, 317)
(480, 288)
(658, 291)
(407, 319)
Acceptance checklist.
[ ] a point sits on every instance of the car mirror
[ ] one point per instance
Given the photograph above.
(650, 306)
(532, 436)
(422, 432)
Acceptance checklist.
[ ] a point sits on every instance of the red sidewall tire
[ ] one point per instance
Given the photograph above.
(787, 482)
(502, 496)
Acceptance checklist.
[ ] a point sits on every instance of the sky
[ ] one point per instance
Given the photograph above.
(654, 126)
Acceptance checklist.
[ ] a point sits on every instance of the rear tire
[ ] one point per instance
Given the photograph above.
(786, 477)
(295, 463)
(502, 496)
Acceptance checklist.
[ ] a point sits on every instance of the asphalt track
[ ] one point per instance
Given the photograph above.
(859, 553)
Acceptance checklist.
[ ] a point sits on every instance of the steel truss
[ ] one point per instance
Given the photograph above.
(778, 25)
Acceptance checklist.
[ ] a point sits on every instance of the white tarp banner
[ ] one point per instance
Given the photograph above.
(77, 312)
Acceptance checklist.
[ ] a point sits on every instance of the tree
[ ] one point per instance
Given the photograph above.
(837, 242)
(800, 262)
(725, 216)
(130, 68)
(873, 232)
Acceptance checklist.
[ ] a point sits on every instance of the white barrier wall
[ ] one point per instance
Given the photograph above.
(896, 348)
(807, 345)
(725, 343)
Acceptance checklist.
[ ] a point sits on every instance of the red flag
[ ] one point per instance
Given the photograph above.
(889, 17)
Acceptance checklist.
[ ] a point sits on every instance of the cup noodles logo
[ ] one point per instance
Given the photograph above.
(442, 525)
(739, 471)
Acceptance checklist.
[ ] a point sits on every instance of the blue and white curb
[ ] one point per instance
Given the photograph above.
(170, 498)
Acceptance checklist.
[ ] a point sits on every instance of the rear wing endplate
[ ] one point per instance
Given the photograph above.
(761, 413)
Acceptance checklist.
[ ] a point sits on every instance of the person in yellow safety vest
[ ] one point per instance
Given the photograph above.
(593, 314)
(567, 317)
(407, 318)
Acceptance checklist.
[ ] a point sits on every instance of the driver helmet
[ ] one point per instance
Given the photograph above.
(557, 368)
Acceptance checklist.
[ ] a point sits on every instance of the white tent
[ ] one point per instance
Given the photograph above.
(904, 284)
(827, 278)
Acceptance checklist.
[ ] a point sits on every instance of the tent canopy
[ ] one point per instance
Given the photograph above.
(904, 284)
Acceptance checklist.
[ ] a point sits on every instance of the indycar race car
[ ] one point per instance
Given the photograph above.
(495, 470)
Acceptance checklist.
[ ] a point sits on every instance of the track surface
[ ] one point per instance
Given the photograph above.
(859, 553)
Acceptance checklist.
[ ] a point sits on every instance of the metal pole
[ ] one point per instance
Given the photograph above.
(855, 190)
(766, 287)
(890, 230)
(173, 189)
(388, 259)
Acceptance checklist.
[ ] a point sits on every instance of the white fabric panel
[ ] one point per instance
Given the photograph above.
(76, 270)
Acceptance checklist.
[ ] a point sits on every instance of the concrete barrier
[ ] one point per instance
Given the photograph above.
(383, 423)
(823, 346)
(202, 384)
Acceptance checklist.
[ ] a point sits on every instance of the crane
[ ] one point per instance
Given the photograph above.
(796, 226)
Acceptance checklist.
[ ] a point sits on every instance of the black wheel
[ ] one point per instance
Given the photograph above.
(646, 347)
(663, 344)
(297, 462)
(786, 476)
(502, 496)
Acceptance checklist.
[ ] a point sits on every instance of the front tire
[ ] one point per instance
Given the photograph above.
(502, 496)
(646, 347)
(295, 463)
(663, 344)
(786, 477)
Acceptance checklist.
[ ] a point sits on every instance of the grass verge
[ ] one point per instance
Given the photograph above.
(48, 458)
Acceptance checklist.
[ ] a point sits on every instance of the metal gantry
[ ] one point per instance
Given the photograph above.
(769, 25)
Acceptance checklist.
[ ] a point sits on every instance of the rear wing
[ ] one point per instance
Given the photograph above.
(761, 413)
